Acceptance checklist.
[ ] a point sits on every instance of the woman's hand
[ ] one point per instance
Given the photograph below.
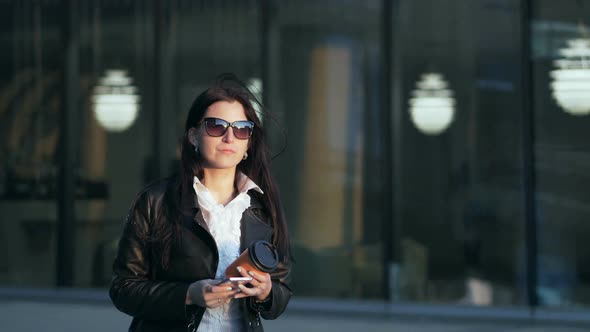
(261, 285)
(208, 293)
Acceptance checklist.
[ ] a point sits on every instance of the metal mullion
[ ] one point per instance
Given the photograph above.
(390, 57)
(528, 151)
(68, 147)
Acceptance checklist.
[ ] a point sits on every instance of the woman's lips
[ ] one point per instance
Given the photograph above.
(227, 151)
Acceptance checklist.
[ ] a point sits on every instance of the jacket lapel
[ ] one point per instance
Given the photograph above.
(255, 225)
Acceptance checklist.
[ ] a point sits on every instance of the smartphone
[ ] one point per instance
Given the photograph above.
(236, 280)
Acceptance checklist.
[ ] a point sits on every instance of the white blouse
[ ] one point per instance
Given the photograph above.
(224, 226)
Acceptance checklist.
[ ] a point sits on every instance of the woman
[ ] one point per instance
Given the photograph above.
(181, 233)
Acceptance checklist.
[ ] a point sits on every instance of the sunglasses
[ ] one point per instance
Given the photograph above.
(217, 127)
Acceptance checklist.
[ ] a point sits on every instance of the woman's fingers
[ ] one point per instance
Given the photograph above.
(258, 292)
(263, 283)
(260, 279)
(214, 303)
(246, 292)
(214, 300)
(216, 295)
(243, 271)
(261, 286)
(256, 277)
(222, 288)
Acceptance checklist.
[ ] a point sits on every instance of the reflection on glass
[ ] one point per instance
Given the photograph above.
(432, 106)
(460, 237)
(254, 84)
(115, 101)
(331, 187)
(571, 82)
(562, 154)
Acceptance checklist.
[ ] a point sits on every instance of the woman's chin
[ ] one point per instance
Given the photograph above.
(222, 164)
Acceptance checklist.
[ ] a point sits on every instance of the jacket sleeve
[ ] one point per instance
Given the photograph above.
(132, 291)
(280, 294)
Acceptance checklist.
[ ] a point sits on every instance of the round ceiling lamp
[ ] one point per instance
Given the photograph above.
(571, 79)
(432, 106)
(115, 101)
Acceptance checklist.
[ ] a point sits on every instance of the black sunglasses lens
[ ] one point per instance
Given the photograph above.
(216, 127)
(242, 129)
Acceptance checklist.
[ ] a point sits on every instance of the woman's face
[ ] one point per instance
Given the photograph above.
(225, 151)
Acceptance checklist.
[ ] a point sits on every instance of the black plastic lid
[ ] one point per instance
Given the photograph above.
(264, 256)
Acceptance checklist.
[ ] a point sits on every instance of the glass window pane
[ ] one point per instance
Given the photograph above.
(30, 106)
(116, 129)
(196, 43)
(562, 150)
(329, 103)
(460, 162)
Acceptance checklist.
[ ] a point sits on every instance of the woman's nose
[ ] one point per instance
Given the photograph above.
(229, 135)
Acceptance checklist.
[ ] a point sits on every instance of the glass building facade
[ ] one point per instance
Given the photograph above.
(437, 152)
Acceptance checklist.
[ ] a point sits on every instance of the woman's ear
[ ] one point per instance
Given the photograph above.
(192, 136)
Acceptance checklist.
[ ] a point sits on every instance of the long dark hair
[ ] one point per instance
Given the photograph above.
(227, 87)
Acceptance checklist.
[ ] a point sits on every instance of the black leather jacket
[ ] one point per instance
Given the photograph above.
(154, 296)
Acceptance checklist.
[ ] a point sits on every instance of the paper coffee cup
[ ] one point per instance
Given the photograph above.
(261, 256)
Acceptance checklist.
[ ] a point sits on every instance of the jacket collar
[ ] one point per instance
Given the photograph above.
(188, 201)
